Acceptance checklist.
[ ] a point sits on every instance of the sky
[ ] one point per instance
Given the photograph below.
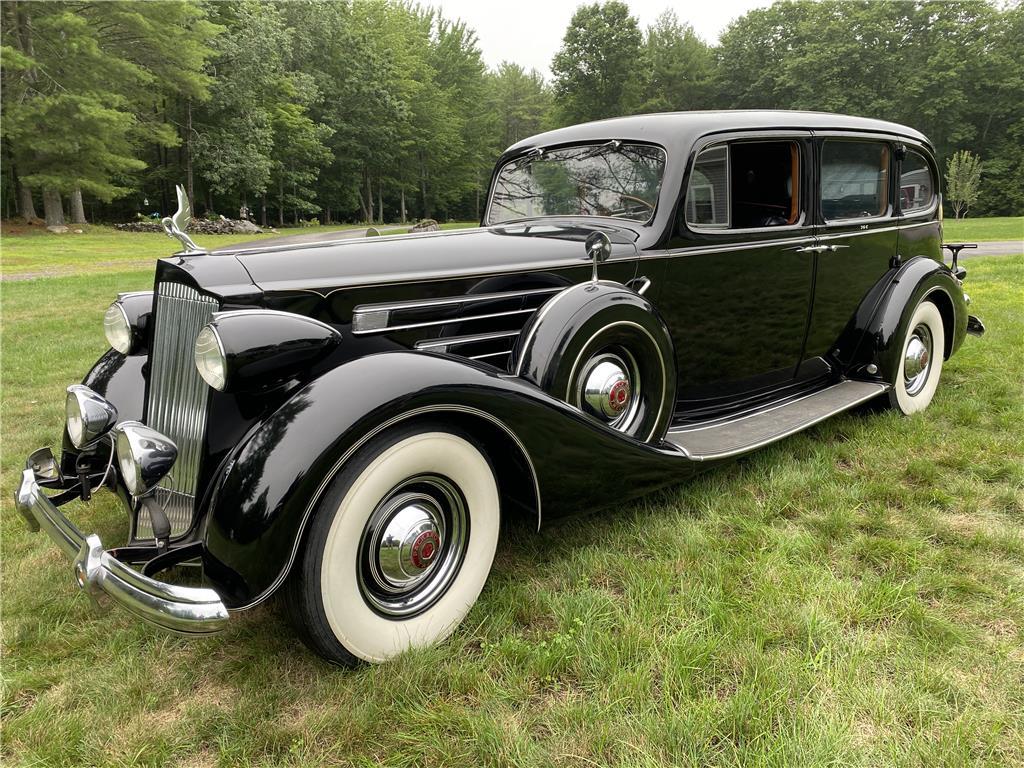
(529, 32)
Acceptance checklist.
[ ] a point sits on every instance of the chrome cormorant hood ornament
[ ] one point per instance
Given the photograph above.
(175, 225)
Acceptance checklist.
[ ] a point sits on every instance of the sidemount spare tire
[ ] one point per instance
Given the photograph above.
(605, 350)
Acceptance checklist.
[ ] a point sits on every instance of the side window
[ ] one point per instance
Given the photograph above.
(917, 189)
(854, 179)
(745, 185)
(707, 196)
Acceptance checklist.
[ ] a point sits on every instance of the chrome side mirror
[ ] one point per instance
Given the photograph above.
(599, 250)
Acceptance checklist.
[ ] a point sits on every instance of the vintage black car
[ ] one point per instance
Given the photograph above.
(349, 421)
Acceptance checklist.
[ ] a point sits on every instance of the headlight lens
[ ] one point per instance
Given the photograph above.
(210, 360)
(117, 329)
(88, 416)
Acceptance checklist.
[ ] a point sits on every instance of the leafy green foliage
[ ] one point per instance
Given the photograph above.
(963, 181)
(380, 109)
(598, 70)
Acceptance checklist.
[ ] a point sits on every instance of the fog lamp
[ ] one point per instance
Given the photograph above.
(88, 415)
(144, 456)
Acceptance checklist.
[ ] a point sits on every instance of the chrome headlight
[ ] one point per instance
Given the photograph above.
(124, 323)
(117, 329)
(144, 456)
(88, 415)
(210, 358)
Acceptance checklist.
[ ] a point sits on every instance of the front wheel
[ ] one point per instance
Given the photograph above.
(920, 365)
(399, 548)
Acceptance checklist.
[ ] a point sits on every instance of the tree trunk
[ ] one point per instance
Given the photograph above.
(380, 199)
(188, 157)
(281, 202)
(26, 206)
(423, 188)
(52, 208)
(327, 216)
(263, 210)
(77, 209)
(403, 205)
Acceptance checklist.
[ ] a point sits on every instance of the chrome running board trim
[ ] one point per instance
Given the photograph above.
(732, 437)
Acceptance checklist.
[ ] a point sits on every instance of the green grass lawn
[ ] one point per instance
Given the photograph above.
(977, 230)
(33, 251)
(853, 595)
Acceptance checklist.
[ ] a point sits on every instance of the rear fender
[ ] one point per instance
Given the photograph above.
(272, 483)
(917, 280)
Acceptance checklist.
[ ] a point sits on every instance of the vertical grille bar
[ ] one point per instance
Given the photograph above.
(177, 399)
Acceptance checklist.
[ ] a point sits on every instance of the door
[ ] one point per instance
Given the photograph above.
(857, 237)
(738, 279)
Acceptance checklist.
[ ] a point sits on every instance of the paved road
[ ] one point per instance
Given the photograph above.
(994, 248)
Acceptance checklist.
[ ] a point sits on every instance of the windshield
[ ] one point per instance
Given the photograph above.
(613, 179)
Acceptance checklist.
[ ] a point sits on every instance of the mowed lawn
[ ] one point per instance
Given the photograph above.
(34, 252)
(853, 595)
(978, 230)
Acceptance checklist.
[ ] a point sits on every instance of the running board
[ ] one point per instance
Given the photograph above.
(731, 437)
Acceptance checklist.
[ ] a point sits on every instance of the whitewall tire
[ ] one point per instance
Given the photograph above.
(400, 546)
(920, 361)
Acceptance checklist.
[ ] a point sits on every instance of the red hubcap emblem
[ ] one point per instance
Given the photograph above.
(619, 396)
(424, 548)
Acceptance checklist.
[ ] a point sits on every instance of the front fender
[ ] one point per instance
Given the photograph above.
(273, 481)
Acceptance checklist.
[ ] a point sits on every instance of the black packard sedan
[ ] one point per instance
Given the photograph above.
(348, 421)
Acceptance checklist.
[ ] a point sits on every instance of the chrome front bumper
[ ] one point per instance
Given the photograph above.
(185, 610)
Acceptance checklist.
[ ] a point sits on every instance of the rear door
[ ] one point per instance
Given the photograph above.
(857, 236)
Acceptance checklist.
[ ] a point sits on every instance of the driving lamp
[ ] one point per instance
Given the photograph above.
(88, 415)
(210, 358)
(144, 456)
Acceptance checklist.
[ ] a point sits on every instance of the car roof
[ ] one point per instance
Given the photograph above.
(678, 130)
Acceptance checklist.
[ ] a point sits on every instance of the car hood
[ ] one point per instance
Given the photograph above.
(378, 260)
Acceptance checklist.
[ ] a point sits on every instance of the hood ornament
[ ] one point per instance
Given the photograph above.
(175, 225)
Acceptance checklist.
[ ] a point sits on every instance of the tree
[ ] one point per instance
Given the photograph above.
(597, 71)
(234, 136)
(963, 181)
(679, 64)
(521, 102)
(73, 74)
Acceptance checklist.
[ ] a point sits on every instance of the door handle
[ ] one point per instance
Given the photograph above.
(820, 248)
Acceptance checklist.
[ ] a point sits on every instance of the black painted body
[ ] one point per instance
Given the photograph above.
(749, 317)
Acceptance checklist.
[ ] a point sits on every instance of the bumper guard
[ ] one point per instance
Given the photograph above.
(184, 610)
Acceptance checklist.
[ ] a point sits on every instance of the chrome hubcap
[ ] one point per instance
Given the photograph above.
(608, 388)
(917, 360)
(412, 546)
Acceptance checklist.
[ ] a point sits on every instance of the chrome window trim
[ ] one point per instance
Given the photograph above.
(887, 141)
(329, 476)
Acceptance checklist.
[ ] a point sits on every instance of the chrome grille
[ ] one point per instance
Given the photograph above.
(177, 399)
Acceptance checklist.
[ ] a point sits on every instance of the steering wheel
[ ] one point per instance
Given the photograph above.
(632, 198)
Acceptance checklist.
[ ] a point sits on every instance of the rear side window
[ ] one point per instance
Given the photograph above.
(917, 187)
(745, 185)
(854, 179)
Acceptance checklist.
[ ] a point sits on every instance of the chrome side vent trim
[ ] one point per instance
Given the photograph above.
(407, 315)
(177, 402)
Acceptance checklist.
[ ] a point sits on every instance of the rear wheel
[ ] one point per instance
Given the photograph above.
(920, 366)
(400, 546)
